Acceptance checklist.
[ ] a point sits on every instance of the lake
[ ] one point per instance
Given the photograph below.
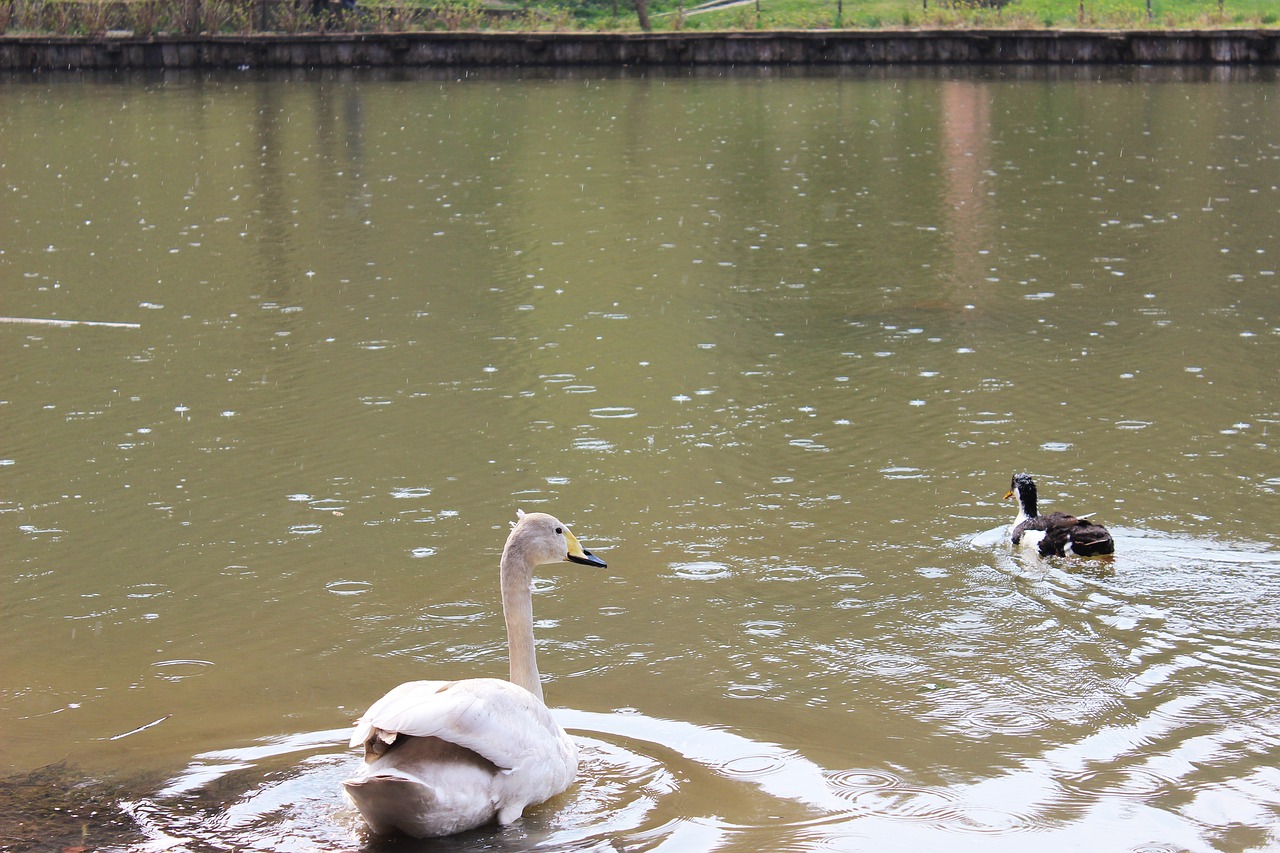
(772, 342)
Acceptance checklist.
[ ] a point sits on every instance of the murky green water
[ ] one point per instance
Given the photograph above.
(772, 343)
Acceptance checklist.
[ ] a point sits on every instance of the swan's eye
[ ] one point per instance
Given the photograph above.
(559, 530)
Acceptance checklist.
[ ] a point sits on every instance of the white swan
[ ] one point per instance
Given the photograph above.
(446, 756)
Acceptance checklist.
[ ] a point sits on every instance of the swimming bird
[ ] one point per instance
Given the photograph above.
(1057, 533)
(443, 757)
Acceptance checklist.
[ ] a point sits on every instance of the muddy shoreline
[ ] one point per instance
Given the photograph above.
(58, 808)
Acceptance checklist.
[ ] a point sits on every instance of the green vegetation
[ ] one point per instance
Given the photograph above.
(148, 17)
(1004, 14)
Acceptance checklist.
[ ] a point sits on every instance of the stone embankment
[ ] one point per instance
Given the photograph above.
(508, 50)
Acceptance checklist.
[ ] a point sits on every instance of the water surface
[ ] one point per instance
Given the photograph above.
(773, 343)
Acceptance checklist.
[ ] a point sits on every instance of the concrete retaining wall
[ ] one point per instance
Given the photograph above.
(810, 47)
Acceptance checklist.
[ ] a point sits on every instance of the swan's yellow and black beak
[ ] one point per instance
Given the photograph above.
(578, 554)
(1008, 494)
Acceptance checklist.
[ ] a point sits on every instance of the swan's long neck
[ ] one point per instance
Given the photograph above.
(517, 607)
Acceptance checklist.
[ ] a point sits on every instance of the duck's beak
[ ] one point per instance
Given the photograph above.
(1008, 494)
(578, 554)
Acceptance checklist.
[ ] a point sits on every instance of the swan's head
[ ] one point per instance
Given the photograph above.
(540, 538)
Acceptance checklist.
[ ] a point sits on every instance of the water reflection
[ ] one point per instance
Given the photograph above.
(777, 339)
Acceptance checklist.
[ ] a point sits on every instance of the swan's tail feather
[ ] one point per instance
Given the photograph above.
(424, 787)
(393, 802)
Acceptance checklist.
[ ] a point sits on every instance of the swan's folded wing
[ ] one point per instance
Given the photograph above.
(496, 719)
(386, 717)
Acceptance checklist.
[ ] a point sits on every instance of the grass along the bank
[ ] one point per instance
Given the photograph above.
(152, 17)
(924, 14)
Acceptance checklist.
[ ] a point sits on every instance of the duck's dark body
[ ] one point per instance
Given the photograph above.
(1063, 533)
(1060, 534)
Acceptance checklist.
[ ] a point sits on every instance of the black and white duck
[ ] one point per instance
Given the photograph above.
(1056, 534)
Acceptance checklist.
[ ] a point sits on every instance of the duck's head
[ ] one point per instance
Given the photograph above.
(541, 538)
(1024, 488)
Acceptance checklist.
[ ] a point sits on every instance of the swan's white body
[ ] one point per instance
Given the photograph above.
(445, 756)
(472, 751)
